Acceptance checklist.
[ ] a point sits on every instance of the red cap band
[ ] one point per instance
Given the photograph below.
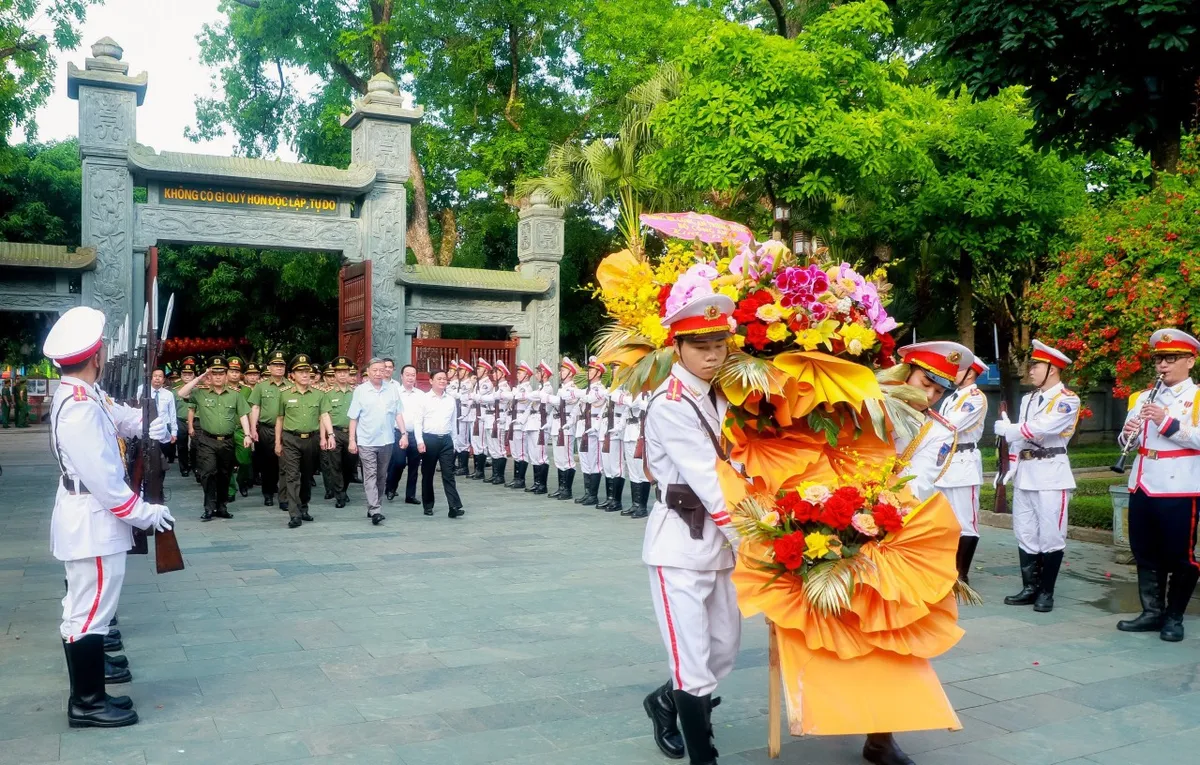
(83, 355)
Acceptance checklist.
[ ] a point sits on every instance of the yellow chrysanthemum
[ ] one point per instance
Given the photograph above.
(816, 545)
(858, 339)
(769, 312)
(777, 332)
(820, 334)
(652, 329)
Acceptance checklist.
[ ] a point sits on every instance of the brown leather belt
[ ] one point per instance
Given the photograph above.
(298, 434)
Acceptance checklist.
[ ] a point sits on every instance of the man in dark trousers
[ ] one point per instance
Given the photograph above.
(220, 411)
(297, 438)
(264, 409)
(434, 433)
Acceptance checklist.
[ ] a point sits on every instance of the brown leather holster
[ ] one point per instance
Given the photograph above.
(683, 501)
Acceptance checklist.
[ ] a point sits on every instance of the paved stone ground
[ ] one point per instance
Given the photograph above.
(521, 634)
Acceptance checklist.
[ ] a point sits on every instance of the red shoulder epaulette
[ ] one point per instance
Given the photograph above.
(675, 389)
(939, 419)
(79, 393)
(1068, 392)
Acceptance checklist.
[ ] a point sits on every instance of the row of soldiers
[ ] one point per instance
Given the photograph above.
(227, 430)
(14, 403)
(587, 427)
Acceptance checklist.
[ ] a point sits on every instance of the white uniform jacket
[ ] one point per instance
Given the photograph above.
(679, 451)
(84, 428)
(466, 400)
(928, 454)
(485, 396)
(1168, 455)
(502, 403)
(633, 406)
(562, 402)
(1048, 420)
(965, 410)
(528, 403)
(597, 396)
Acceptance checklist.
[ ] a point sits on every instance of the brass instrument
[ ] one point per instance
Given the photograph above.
(1119, 467)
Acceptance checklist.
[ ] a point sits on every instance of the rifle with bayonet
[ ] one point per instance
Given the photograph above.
(542, 416)
(512, 421)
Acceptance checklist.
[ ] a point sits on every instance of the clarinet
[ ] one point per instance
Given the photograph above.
(1119, 467)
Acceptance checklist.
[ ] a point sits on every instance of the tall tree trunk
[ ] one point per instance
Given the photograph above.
(1164, 156)
(966, 300)
(449, 237)
(418, 226)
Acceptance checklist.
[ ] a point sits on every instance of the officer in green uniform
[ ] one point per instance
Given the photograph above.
(22, 402)
(297, 438)
(183, 446)
(264, 409)
(241, 480)
(251, 378)
(335, 430)
(219, 410)
(6, 403)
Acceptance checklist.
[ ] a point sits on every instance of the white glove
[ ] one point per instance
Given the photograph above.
(160, 518)
(1000, 426)
(159, 430)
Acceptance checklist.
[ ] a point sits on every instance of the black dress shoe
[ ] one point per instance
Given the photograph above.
(223, 513)
(283, 506)
(391, 495)
(459, 513)
(185, 473)
(245, 492)
(121, 702)
(305, 516)
(377, 519)
(269, 500)
(114, 675)
(411, 501)
(328, 494)
(881, 749)
(340, 503)
(294, 523)
(208, 516)
(429, 511)
(114, 634)
(117, 660)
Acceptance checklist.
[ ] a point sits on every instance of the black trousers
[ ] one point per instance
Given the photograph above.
(439, 450)
(1162, 531)
(215, 461)
(335, 462)
(268, 462)
(183, 444)
(401, 458)
(299, 460)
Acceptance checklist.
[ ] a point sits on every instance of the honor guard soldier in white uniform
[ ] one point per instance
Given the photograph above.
(639, 484)
(562, 426)
(483, 389)
(590, 413)
(520, 410)
(94, 511)
(966, 410)
(1164, 486)
(690, 541)
(496, 415)
(612, 453)
(1041, 475)
(536, 430)
(462, 433)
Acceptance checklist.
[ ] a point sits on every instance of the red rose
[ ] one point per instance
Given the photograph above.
(888, 517)
(887, 347)
(789, 550)
(799, 510)
(851, 495)
(756, 335)
(747, 308)
(837, 512)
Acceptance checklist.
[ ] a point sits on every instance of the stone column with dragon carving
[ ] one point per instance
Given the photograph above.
(381, 134)
(108, 99)
(539, 254)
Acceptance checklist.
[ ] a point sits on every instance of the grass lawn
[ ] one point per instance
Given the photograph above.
(1090, 506)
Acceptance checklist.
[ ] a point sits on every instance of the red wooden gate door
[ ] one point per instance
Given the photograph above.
(354, 313)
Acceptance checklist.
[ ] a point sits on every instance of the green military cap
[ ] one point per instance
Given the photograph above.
(301, 361)
(276, 358)
(253, 367)
(235, 363)
(329, 368)
(341, 363)
(189, 364)
(217, 364)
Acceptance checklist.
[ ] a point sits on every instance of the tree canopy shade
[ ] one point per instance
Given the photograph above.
(27, 56)
(1096, 70)
(40, 187)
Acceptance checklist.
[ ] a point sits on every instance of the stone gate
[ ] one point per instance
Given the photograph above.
(358, 211)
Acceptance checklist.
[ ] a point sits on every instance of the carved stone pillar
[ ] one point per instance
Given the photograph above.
(539, 252)
(381, 134)
(108, 100)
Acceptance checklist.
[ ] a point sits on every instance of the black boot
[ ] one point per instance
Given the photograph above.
(518, 481)
(480, 462)
(614, 495)
(565, 479)
(1152, 589)
(89, 705)
(117, 660)
(643, 510)
(608, 493)
(543, 480)
(558, 487)
(882, 749)
(587, 486)
(114, 675)
(111, 644)
(635, 496)
(695, 722)
(1029, 581)
(591, 487)
(537, 480)
(498, 466)
(660, 707)
(1051, 562)
(966, 553)
(120, 702)
(1179, 592)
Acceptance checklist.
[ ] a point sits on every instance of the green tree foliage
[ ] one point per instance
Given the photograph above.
(31, 33)
(40, 192)
(1134, 270)
(1097, 70)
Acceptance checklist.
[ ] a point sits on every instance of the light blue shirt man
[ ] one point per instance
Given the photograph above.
(376, 413)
